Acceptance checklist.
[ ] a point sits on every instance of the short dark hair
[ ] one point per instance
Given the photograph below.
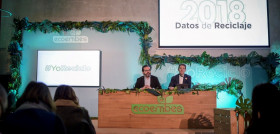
(37, 92)
(265, 98)
(182, 65)
(67, 93)
(3, 100)
(144, 67)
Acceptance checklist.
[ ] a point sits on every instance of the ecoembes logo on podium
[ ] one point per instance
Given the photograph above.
(163, 108)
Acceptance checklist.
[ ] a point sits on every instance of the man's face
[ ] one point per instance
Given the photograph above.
(147, 71)
(182, 70)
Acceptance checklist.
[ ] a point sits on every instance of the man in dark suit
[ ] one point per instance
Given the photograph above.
(147, 81)
(180, 78)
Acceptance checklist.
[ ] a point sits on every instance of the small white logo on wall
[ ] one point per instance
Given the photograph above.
(73, 38)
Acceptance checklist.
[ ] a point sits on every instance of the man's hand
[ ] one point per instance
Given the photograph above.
(146, 87)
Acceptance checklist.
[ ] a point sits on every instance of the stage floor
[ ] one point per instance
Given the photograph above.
(149, 131)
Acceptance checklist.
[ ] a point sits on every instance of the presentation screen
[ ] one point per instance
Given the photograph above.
(213, 23)
(70, 67)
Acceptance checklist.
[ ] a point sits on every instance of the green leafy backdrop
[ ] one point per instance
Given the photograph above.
(143, 29)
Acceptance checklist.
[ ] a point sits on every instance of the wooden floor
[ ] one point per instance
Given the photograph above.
(149, 131)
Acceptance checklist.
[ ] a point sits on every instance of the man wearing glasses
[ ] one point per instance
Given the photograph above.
(147, 81)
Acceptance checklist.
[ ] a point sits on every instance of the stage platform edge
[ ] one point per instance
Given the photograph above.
(149, 131)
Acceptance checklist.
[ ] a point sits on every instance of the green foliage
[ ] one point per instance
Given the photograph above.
(160, 60)
(231, 86)
(107, 91)
(243, 106)
(15, 48)
(178, 59)
(143, 29)
(45, 26)
(276, 80)
(206, 60)
(234, 87)
(268, 63)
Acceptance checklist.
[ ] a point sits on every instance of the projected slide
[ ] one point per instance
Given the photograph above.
(213, 23)
(74, 68)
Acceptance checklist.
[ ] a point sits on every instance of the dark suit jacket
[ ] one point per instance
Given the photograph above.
(154, 82)
(75, 118)
(175, 80)
(33, 121)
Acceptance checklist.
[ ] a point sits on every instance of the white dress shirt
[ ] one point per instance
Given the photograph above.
(147, 81)
(181, 79)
